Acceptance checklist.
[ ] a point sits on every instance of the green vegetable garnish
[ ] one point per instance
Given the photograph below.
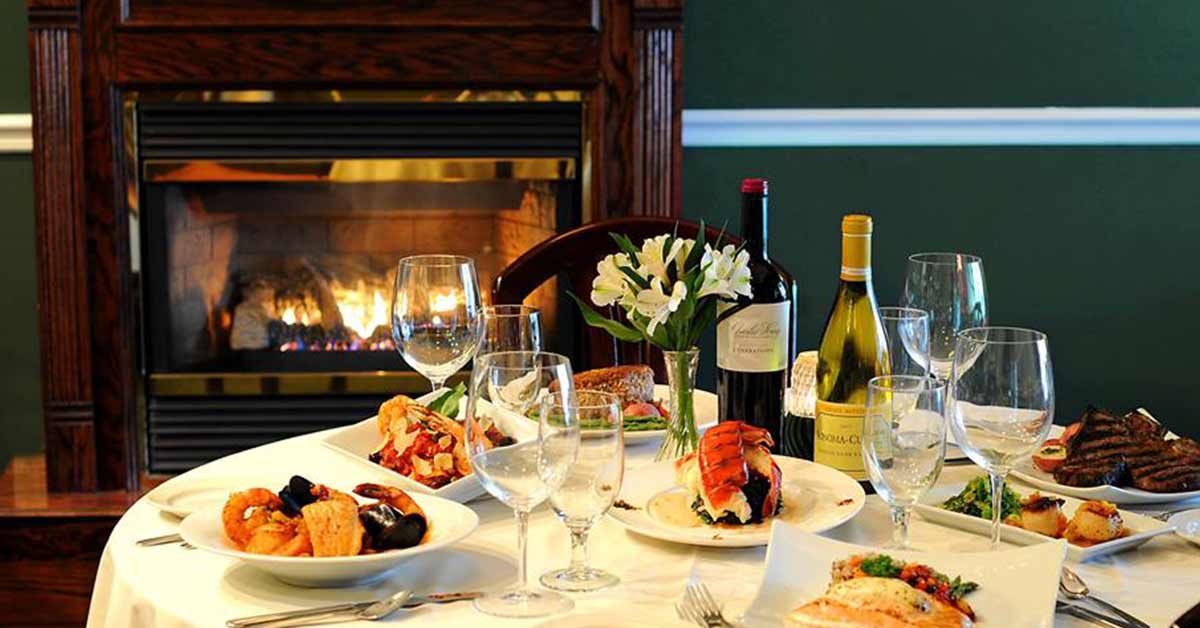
(881, 566)
(976, 500)
(447, 402)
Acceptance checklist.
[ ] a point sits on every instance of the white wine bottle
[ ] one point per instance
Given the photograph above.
(853, 350)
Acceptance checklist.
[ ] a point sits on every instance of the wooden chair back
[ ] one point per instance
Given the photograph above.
(573, 256)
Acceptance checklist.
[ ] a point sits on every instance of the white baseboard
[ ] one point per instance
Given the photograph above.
(16, 133)
(1050, 126)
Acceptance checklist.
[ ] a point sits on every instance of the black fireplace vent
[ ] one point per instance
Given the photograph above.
(364, 130)
(186, 432)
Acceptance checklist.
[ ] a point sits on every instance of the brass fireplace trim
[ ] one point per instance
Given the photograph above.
(438, 170)
(268, 384)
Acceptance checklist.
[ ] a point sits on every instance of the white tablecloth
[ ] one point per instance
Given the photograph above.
(171, 586)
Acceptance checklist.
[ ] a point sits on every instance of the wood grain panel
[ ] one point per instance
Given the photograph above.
(63, 317)
(578, 14)
(659, 123)
(254, 58)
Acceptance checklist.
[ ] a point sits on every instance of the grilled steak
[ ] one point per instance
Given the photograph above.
(1129, 450)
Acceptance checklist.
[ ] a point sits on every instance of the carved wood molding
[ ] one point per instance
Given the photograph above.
(63, 313)
(658, 26)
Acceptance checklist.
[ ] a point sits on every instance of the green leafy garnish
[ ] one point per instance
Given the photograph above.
(976, 500)
(447, 402)
(881, 566)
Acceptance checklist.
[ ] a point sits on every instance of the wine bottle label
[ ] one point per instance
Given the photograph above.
(754, 339)
(837, 439)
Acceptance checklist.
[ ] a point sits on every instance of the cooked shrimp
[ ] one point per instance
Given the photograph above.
(239, 525)
(392, 496)
(267, 538)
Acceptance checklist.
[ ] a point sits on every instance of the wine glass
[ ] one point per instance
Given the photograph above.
(907, 330)
(1003, 401)
(950, 287)
(511, 328)
(523, 475)
(436, 314)
(904, 442)
(592, 484)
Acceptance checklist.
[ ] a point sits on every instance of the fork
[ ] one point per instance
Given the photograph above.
(699, 607)
(166, 539)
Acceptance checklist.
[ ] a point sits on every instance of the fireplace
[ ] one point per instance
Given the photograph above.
(268, 229)
(197, 159)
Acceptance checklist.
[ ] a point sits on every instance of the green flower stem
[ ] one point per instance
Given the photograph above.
(681, 435)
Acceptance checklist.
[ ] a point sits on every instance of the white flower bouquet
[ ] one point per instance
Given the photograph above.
(669, 290)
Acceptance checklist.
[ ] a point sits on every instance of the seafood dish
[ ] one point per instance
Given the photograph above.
(1093, 522)
(879, 591)
(423, 444)
(731, 476)
(306, 519)
(1132, 450)
(634, 386)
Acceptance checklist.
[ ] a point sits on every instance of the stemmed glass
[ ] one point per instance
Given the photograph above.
(1003, 390)
(523, 475)
(436, 314)
(592, 484)
(950, 287)
(907, 330)
(904, 442)
(511, 328)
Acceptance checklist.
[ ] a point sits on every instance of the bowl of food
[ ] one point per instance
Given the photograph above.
(313, 535)
(419, 442)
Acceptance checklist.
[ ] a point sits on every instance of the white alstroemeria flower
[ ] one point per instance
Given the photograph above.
(611, 285)
(726, 274)
(655, 304)
(653, 260)
(685, 249)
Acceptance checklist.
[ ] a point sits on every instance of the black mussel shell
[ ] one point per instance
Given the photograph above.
(302, 490)
(377, 517)
(291, 507)
(407, 532)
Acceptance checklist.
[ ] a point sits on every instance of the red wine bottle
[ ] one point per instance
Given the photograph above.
(753, 349)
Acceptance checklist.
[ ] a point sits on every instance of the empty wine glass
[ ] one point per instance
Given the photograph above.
(950, 287)
(511, 328)
(907, 330)
(523, 475)
(592, 484)
(436, 314)
(904, 442)
(1003, 401)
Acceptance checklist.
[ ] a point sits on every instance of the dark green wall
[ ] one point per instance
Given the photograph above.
(1094, 246)
(20, 410)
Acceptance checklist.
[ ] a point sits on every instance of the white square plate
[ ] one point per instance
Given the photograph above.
(1141, 528)
(1017, 587)
(358, 441)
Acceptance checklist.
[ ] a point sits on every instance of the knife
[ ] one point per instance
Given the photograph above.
(413, 602)
(1190, 619)
(1087, 614)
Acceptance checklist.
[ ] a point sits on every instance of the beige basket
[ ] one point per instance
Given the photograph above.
(802, 398)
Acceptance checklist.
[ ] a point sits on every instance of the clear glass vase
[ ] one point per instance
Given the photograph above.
(681, 435)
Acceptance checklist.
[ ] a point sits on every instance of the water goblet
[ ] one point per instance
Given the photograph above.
(436, 314)
(592, 484)
(907, 330)
(1003, 401)
(523, 474)
(950, 287)
(511, 328)
(904, 442)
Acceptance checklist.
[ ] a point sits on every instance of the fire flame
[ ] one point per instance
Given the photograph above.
(363, 310)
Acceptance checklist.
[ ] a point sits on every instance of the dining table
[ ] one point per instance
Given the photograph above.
(170, 585)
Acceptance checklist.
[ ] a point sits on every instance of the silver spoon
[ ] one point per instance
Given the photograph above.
(1075, 588)
(366, 611)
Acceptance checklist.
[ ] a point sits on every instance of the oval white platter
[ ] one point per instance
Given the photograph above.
(1028, 473)
(815, 498)
(449, 522)
(1141, 527)
(1017, 587)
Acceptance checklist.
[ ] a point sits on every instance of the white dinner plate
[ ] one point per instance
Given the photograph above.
(181, 496)
(705, 410)
(1028, 473)
(815, 498)
(1017, 587)
(1141, 527)
(449, 523)
(358, 441)
(1187, 524)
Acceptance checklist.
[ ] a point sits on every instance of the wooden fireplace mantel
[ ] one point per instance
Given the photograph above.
(624, 55)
